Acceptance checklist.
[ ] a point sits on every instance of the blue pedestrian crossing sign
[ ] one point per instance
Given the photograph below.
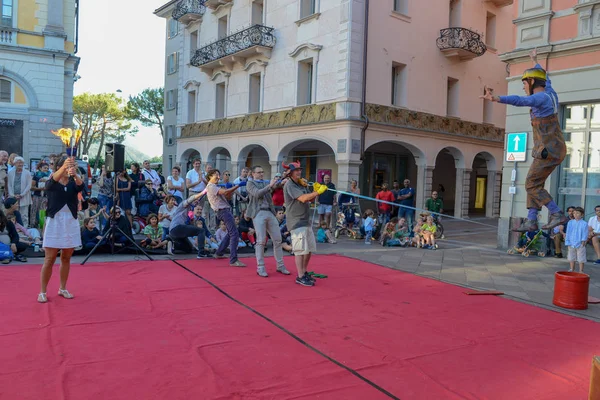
(516, 146)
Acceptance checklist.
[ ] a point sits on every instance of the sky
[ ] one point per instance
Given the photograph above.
(122, 46)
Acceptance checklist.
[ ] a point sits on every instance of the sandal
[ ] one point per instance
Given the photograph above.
(42, 298)
(65, 293)
(20, 258)
(316, 275)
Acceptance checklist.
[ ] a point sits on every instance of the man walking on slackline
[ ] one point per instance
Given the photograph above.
(549, 148)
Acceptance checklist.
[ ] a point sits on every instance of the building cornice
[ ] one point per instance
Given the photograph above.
(163, 10)
(561, 49)
(4, 48)
(534, 17)
(326, 113)
(590, 4)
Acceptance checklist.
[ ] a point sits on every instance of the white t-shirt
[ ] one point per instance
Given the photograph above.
(179, 182)
(594, 224)
(165, 223)
(194, 176)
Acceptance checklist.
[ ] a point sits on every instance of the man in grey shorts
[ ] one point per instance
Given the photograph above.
(262, 211)
(297, 199)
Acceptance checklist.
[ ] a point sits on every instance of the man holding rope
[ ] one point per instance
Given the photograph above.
(262, 212)
(297, 199)
(549, 149)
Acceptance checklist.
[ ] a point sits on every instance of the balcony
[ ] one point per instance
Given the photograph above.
(214, 4)
(189, 11)
(8, 35)
(235, 48)
(460, 43)
(501, 3)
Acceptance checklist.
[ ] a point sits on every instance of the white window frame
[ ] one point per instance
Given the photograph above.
(400, 6)
(171, 33)
(399, 85)
(302, 17)
(171, 99)
(172, 63)
(217, 84)
(490, 43)
(310, 85)
(260, 92)
(13, 7)
(302, 53)
(170, 137)
(10, 90)
(262, 18)
(455, 84)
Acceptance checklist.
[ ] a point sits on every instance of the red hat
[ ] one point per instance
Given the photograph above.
(292, 166)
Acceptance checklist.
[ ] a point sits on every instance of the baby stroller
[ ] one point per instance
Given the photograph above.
(349, 214)
(527, 247)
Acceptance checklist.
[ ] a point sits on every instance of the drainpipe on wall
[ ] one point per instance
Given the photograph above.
(363, 105)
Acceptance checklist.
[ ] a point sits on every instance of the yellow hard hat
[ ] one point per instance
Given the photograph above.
(534, 73)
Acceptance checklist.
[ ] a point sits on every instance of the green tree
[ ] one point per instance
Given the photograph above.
(101, 118)
(148, 108)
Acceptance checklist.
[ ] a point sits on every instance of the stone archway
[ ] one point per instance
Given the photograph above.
(387, 162)
(187, 159)
(220, 158)
(448, 180)
(315, 155)
(255, 154)
(485, 181)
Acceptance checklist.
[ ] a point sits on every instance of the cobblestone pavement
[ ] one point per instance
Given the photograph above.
(467, 257)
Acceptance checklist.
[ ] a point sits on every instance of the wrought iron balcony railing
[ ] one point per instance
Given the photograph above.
(189, 10)
(461, 42)
(252, 40)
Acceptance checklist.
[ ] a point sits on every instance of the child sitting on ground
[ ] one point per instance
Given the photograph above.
(428, 230)
(222, 233)
(389, 230)
(577, 237)
(27, 236)
(418, 240)
(90, 235)
(246, 229)
(153, 234)
(368, 225)
(324, 234)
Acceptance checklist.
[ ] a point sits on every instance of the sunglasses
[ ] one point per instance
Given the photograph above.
(227, 174)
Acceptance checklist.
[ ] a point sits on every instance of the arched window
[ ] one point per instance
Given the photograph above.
(6, 8)
(5, 91)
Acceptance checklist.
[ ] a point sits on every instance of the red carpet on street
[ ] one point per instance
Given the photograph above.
(153, 330)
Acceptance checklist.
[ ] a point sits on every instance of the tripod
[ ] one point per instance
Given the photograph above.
(114, 229)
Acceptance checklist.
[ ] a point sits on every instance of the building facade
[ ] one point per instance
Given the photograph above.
(567, 36)
(342, 86)
(38, 67)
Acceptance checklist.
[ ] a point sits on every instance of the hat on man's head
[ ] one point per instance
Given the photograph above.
(278, 175)
(292, 166)
(9, 202)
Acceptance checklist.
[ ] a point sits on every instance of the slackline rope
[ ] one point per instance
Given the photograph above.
(297, 338)
(409, 207)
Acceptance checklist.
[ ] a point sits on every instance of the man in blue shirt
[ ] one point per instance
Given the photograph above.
(406, 197)
(549, 149)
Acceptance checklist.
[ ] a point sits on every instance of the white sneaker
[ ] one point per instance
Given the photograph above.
(170, 248)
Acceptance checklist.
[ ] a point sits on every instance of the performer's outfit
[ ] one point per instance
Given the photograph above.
(549, 150)
(62, 229)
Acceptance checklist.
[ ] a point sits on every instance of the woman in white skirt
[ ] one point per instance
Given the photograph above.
(62, 228)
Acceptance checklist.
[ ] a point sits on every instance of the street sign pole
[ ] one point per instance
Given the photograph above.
(516, 151)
